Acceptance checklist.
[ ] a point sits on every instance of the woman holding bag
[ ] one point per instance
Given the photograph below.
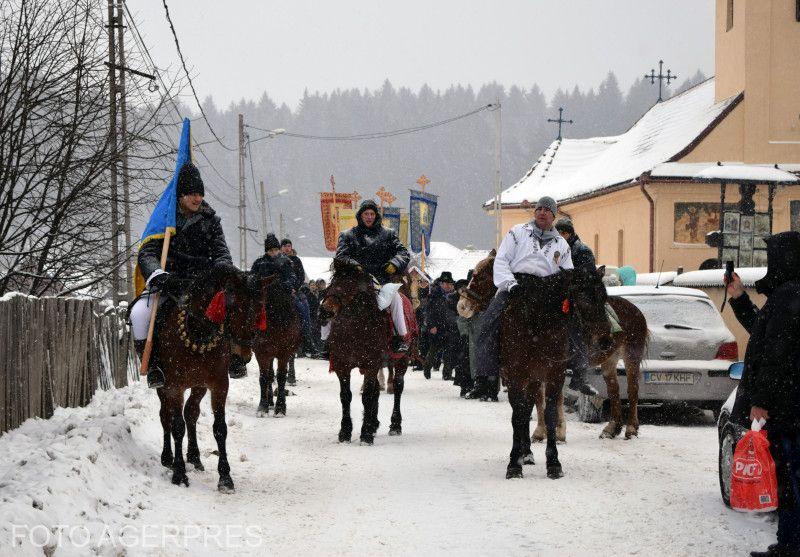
(770, 386)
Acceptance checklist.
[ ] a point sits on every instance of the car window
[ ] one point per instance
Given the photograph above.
(679, 312)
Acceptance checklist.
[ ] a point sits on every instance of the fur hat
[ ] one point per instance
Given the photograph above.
(446, 276)
(547, 203)
(565, 225)
(286, 242)
(189, 180)
(271, 241)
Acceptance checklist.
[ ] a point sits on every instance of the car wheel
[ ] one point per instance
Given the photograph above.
(590, 408)
(727, 445)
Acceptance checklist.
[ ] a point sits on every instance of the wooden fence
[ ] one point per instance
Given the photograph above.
(57, 352)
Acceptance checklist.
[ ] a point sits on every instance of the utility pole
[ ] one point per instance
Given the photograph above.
(263, 211)
(242, 213)
(282, 228)
(497, 156)
(112, 133)
(124, 154)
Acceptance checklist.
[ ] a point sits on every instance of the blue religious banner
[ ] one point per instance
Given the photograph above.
(391, 219)
(422, 210)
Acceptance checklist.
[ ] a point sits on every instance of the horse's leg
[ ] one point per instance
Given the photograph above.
(552, 390)
(561, 428)
(614, 426)
(516, 398)
(632, 373)
(390, 378)
(381, 380)
(540, 433)
(265, 385)
(397, 384)
(191, 411)
(280, 400)
(345, 396)
(270, 379)
(178, 427)
(166, 453)
(369, 399)
(220, 429)
(525, 439)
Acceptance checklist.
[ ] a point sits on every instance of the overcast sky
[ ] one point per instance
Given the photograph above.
(242, 48)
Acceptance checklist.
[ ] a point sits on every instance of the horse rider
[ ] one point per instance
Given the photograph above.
(197, 245)
(582, 258)
(534, 248)
(378, 251)
(301, 299)
(275, 262)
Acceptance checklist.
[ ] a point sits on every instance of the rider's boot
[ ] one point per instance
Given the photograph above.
(237, 367)
(578, 383)
(155, 377)
(479, 390)
(400, 345)
(492, 388)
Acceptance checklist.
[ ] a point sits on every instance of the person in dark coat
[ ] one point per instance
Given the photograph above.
(196, 246)
(301, 300)
(273, 262)
(582, 260)
(440, 319)
(770, 385)
(379, 252)
(463, 377)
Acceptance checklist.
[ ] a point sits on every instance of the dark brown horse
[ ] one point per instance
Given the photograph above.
(630, 345)
(280, 340)
(194, 353)
(397, 364)
(358, 339)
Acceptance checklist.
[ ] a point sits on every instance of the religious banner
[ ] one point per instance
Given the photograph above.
(391, 219)
(404, 229)
(330, 204)
(347, 219)
(422, 211)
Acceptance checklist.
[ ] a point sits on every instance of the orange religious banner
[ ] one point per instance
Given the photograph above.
(330, 203)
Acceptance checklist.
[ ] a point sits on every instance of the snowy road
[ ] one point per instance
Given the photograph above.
(438, 489)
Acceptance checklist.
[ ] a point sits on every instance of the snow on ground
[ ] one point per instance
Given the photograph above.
(438, 489)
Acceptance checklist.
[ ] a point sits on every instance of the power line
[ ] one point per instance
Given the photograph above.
(268, 208)
(375, 135)
(189, 77)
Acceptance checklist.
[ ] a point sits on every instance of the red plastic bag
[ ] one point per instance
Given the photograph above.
(754, 485)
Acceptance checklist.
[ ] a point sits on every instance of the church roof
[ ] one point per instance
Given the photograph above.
(571, 168)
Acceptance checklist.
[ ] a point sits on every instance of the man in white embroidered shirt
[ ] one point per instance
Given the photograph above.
(534, 248)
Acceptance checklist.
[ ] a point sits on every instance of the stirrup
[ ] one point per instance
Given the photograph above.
(155, 378)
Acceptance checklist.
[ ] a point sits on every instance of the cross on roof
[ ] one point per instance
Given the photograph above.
(560, 120)
(423, 181)
(660, 77)
(385, 196)
(333, 184)
(355, 197)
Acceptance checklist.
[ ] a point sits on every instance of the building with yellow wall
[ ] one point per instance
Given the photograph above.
(634, 198)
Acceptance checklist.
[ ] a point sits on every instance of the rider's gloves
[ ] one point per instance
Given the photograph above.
(159, 282)
(390, 269)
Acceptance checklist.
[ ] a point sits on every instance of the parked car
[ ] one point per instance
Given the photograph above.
(688, 354)
(730, 433)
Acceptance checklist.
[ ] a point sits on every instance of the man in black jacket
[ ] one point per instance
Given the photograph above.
(440, 320)
(582, 260)
(273, 262)
(770, 385)
(197, 245)
(379, 252)
(301, 300)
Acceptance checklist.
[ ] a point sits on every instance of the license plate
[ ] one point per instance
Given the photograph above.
(669, 378)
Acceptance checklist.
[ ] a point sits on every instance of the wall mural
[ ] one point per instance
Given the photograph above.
(693, 220)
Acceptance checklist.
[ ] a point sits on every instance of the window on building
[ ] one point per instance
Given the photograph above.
(729, 25)
(597, 247)
(797, 10)
(620, 248)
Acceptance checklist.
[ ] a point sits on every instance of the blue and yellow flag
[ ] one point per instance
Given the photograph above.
(422, 210)
(163, 217)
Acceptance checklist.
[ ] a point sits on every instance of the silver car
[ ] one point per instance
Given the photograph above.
(688, 354)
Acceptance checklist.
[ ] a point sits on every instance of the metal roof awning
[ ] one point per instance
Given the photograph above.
(735, 172)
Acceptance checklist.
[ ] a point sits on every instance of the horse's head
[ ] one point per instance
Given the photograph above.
(348, 282)
(478, 293)
(588, 298)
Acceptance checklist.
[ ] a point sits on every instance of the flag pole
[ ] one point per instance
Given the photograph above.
(148, 347)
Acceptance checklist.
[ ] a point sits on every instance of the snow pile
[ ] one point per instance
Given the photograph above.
(713, 277)
(651, 279)
(572, 167)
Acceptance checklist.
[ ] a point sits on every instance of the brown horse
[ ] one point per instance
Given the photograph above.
(630, 345)
(194, 353)
(397, 364)
(280, 341)
(358, 338)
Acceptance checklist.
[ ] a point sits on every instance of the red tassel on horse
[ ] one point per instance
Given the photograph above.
(215, 312)
(261, 325)
(565, 306)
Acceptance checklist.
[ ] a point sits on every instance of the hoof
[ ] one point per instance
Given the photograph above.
(367, 439)
(630, 433)
(196, 463)
(513, 472)
(345, 436)
(179, 478)
(554, 472)
(374, 428)
(167, 460)
(395, 430)
(538, 437)
(280, 411)
(225, 485)
(528, 459)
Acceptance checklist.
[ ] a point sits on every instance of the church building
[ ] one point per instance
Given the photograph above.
(641, 199)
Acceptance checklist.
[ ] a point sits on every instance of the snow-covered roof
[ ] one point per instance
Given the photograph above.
(651, 279)
(572, 167)
(653, 291)
(713, 277)
(728, 171)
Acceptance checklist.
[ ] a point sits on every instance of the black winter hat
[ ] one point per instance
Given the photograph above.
(462, 283)
(446, 276)
(369, 204)
(271, 241)
(189, 180)
(565, 225)
(286, 242)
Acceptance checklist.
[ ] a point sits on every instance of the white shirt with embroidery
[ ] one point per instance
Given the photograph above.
(521, 252)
